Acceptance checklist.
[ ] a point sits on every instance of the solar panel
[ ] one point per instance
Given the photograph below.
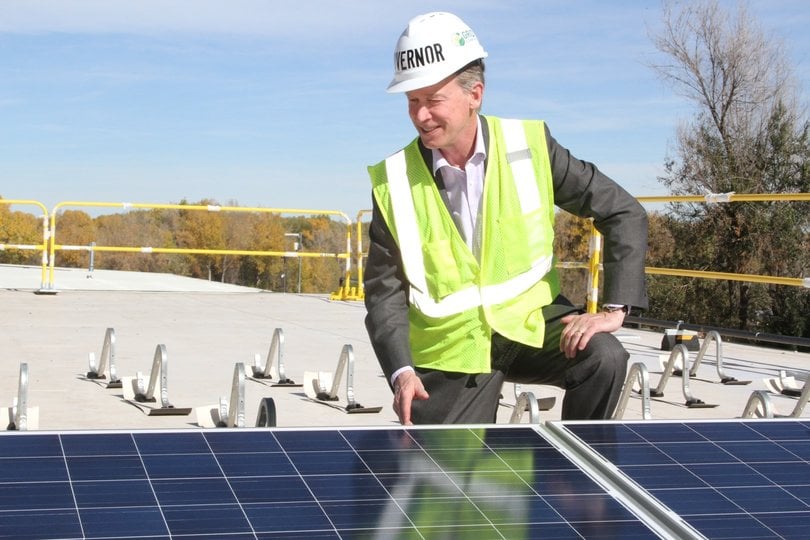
(454, 482)
(728, 479)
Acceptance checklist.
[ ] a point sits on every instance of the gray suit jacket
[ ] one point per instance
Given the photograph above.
(579, 188)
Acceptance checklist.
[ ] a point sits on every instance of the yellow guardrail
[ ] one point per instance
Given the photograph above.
(721, 198)
(43, 247)
(349, 290)
(54, 246)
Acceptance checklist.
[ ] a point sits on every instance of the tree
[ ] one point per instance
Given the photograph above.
(201, 229)
(572, 245)
(19, 228)
(748, 136)
(74, 228)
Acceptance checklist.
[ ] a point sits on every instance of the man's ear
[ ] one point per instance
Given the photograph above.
(476, 96)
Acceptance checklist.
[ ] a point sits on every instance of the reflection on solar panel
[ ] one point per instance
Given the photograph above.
(494, 482)
(728, 479)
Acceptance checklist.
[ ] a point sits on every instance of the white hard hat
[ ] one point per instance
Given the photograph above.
(433, 47)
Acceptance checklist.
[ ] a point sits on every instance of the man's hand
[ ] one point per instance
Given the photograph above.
(580, 328)
(407, 388)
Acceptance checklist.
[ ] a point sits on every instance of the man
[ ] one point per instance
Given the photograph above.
(460, 286)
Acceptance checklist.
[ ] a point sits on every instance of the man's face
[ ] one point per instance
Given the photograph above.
(444, 115)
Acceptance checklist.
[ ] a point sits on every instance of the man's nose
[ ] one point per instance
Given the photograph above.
(420, 113)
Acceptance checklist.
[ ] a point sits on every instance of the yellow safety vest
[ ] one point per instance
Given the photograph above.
(455, 301)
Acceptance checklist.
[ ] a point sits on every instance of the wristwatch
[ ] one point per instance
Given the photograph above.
(610, 308)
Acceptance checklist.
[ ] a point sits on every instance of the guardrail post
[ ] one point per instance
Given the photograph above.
(714, 336)
(638, 372)
(276, 351)
(692, 402)
(759, 404)
(317, 382)
(18, 412)
(526, 402)
(232, 413)
(106, 359)
(144, 394)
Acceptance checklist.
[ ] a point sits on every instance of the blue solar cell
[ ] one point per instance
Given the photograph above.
(171, 443)
(115, 493)
(383, 439)
(206, 520)
(784, 474)
(181, 466)
(39, 524)
(728, 475)
(355, 487)
(786, 524)
(291, 517)
(667, 476)
(270, 489)
(695, 452)
(725, 431)
(763, 499)
(137, 522)
(732, 526)
(666, 432)
(35, 495)
(801, 492)
(105, 468)
(193, 491)
(312, 441)
(337, 462)
(758, 452)
(800, 449)
(27, 445)
(626, 530)
(222, 442)
(98, 444)
(255, 464)
(605, 433)
(698, 501)
(32, 469)
(634, 454)
(783, 430)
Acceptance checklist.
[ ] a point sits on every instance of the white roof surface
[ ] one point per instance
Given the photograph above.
(207, 327)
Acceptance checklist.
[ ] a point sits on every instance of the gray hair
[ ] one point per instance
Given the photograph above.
(470, 74)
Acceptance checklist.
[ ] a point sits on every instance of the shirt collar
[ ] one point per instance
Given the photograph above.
(480, 152)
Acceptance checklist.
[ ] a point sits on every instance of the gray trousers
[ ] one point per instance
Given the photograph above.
(592, 380)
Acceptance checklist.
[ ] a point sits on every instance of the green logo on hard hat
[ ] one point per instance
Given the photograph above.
(461, 38)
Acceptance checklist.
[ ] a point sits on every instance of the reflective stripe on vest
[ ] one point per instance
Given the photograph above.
(410, 243)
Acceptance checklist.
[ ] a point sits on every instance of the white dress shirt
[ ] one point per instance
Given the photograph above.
(464, 188)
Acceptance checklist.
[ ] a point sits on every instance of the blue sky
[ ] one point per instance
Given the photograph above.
(283, 104)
